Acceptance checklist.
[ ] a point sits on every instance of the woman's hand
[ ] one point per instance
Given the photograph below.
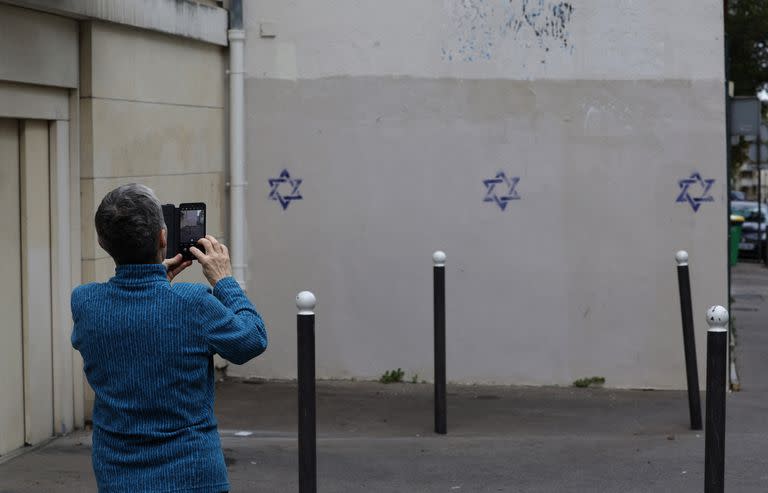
(175, 265)
(215, 260)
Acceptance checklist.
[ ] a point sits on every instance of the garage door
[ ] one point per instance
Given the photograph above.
(11, 362)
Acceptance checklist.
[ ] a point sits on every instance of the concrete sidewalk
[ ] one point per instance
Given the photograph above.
(378, 438)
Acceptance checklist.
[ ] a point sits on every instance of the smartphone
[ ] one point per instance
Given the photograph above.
(171, 221)
(191, 227)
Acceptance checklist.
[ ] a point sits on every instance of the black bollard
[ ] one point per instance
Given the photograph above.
(689, 340)
(305, 338)
(440, 383)
(714, 446)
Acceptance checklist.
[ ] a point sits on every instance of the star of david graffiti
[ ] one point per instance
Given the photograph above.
(283, 198)
(693, 182)
(501, 190)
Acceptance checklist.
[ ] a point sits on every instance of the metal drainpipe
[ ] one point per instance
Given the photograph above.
(237, 180)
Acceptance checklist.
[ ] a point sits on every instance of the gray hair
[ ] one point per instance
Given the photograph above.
(128, 222)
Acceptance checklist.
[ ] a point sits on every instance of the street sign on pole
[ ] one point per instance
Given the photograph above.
(745, 116)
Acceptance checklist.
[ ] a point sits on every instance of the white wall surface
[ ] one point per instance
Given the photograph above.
(487, 39)
(393, 139)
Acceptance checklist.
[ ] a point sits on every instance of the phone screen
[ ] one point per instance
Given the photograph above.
(191, 225)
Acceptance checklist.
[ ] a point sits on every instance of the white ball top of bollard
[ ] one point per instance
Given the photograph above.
(439, 258)
(717, 318)
(682, 258)
(305, 302)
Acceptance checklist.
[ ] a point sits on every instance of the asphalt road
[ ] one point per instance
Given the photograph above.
(378, 438)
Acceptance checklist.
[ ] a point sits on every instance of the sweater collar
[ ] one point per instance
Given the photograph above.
(140, 273)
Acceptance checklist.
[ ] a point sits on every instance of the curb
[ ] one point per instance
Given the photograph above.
(26, 449)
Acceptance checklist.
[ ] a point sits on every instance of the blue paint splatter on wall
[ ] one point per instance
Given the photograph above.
(549, 21)
(474, 27)
(481, 25)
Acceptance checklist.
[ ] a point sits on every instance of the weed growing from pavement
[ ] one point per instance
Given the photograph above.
(589, 381)
(392, 376)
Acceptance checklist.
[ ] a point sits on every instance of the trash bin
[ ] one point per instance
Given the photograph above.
(735, 238)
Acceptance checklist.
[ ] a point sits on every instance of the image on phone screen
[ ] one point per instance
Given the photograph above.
(191, 226)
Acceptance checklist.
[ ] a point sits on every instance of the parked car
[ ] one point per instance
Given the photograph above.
(749, 229)
(736, 195)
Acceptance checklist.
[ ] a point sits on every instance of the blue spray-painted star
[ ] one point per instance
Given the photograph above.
(685, 195)
(285, 200)
(501, 179)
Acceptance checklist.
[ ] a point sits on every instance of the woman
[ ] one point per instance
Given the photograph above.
(148, 349)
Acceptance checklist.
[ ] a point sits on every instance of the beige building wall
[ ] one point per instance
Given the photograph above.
(38, 84)
(150, 121)
(37, 48)
(152, 108)
(147, 103)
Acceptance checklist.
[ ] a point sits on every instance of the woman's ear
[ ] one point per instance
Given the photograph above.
(163, 238)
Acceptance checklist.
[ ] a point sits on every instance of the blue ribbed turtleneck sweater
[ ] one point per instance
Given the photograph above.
(148, 349)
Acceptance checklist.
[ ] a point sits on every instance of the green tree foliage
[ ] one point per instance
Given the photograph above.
(739, 157)
(746, 25)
